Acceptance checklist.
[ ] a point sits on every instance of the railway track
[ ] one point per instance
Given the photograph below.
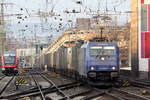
(136, 82)
(2, 77)
(38, 85)
(44, 87)
(5, 82)
(38, 90)
(67, 91)
(125, 95)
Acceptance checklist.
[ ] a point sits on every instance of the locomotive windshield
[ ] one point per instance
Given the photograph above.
(102, 50)
(9, 60)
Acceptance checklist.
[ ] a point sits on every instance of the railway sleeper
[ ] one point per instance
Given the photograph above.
(77, 94)
(44, 90)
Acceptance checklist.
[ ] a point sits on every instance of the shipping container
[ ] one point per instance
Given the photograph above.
(54, 60)
(74, 58)
(47, 61)
(48, 64)
(81, 60)
(65, 58)
(51, 60)
(57, 58)
(69, 58)
(75, 53)
(61, 50)
(41, 61)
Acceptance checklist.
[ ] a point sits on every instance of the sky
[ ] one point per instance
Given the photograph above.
(61, 5)
(30, 8)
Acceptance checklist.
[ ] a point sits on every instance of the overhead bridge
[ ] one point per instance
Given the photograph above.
(68, 36)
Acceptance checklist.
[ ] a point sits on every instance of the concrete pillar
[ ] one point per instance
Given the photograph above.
(134, 38)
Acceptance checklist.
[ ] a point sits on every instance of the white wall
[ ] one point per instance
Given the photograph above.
(143, 62)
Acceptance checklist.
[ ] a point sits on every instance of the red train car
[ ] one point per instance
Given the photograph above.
(9, 63)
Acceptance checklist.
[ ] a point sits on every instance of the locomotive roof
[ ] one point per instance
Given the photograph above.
(99, 44)
(9, 53)
(102, 43)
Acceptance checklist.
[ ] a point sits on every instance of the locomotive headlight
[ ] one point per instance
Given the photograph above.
(92, 68)
(3, 68)
(15, 68)
(102, 58)
(113, 68)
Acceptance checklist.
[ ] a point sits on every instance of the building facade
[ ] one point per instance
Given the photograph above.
(144, 35)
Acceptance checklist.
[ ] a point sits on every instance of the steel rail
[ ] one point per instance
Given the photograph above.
(19, 93)
(2, 77)
(51, 82)
(135, 82)
(6, 85)
(45, 91)
(37, 84)
(32, 90)
(114, 96)
(94, 95)
(130, 94)
(109, 94)
(140, 86)
(89, 97)
(77, 94)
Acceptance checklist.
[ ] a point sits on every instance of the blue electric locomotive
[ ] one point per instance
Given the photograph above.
(99, 62)
(94, 62)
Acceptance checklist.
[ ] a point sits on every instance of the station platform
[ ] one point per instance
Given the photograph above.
(125, 68)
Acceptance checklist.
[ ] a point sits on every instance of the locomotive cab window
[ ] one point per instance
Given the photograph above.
(9, 60)
(102, 50)
(94, 51)
(109, 50)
